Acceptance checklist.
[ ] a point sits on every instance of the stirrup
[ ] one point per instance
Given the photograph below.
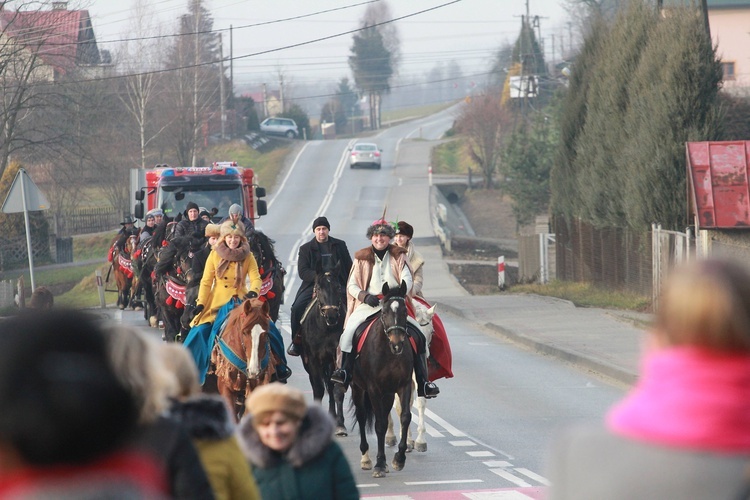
(430, 390)
(339, 376)
(282, 377)
(293, 350)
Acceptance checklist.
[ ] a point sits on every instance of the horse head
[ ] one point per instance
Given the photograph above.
(254, 324)
(328, 292)
(424, 315)
(131, 244)
(393, 317)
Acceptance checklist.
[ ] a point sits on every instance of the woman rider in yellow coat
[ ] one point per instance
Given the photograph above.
(228, 266)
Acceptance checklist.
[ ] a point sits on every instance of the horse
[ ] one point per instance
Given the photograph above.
(423, 315)
(173, 271)
(144, 260)
(242, 354)
(122, 268)
(384, 369)
(321, 329)
(271, 271)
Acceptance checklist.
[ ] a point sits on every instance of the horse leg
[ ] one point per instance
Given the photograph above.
(399, 459)
(420, 444)
(338, 396)
(382, 408)
(360, 401)
(390, 436)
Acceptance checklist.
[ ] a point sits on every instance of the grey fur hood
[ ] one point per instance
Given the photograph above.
(315, 434)
(204, 417)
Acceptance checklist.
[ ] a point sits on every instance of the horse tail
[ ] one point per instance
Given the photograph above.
(367, 411)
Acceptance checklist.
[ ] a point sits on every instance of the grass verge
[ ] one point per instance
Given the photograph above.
(417, 112)
(587, 295)
(265, 165)
(450, 158)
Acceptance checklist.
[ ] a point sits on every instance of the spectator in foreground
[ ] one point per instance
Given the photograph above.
(139, 367)
(684, 430)
(41, 299)
(207, 421)
(291, 448)
(65, 417)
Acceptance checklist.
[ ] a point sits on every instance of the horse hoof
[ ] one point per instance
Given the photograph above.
(138, 308)
(391, 441)
(378, 473)
(397, 465)
(421, 447)
(122, 308)
(152, 321)
(341, 431)
(365, 464)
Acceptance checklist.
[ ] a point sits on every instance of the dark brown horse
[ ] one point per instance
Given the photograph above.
(320, 330)
(122, 270)
(271, 271)
(383, 369)
(242, 354)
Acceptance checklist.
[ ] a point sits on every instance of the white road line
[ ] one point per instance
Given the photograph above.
(478, 454)
(462, 443)
(497, 495)
(288, 174)
(533, 475)
(453, 481)
(369, 485)
(498, 463)
(448, 427)
(510, 477)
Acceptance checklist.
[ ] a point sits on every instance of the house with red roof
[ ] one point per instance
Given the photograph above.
(63, 40)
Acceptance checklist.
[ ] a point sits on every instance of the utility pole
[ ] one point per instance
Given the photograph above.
(222, 97)
(231, 61)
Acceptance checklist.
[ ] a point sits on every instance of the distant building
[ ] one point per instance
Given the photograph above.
(62, 39)
(268, 106)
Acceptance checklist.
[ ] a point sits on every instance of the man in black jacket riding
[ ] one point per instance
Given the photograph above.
(324, 251)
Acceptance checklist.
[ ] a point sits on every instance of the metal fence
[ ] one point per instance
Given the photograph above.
(85, 221)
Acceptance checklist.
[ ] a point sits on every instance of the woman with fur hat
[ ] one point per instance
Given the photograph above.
(404, 234)
(374, 266)
(206, 419)
(291, 448)
(228, 266)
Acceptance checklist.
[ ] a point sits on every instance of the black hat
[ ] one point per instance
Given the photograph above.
(190, 205)
(321, 221)
(405, 228)
(127, 220)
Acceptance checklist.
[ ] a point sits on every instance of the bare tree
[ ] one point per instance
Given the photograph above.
(485, 123)
(138, 58)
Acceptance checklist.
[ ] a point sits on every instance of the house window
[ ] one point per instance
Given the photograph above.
(728, 68)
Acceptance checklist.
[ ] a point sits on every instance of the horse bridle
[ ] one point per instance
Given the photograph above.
(387, 329)
(324, 309)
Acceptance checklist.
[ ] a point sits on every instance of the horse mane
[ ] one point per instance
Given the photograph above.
(249, 312)
(266, 245)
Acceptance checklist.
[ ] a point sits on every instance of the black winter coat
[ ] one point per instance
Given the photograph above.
(309, 258)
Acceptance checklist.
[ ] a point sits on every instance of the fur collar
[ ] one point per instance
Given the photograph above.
(315, 434)
(204, 417)
(368, 254)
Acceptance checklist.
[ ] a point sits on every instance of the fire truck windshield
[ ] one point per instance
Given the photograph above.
(174, 199)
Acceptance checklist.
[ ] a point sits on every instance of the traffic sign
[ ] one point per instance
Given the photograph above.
(34, 198)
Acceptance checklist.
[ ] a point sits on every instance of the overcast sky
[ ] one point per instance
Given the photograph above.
(468, 31)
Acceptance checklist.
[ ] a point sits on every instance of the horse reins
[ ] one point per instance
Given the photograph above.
(324, 309)
(387, 328)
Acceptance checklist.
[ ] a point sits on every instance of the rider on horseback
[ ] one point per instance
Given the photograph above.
(235, 215)
(324, 251)
(373, 266)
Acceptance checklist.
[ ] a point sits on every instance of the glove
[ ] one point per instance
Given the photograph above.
(251, 295)
(198, 309)
(372, 300)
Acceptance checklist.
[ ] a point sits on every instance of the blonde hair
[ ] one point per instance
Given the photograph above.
(180, 362)
(706, 304)
(137, 364)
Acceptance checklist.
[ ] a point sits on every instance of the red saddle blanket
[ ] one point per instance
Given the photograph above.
(440, 362)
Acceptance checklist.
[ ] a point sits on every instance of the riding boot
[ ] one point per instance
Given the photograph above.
(343, 375)
(295, 348)
(425, 388)
(283, 372)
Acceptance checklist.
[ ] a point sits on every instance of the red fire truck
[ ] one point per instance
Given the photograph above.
(217, 186)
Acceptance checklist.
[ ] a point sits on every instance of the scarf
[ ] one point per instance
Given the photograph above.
(691, 398)
(236, 255)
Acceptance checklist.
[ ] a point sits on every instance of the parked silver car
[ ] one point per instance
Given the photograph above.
(280, 126)
(365, 153)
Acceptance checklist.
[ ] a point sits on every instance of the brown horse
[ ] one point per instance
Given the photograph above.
(122, 269)
(383, 369)
(242, 354)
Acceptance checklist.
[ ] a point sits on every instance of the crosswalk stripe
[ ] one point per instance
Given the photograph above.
(510, 477)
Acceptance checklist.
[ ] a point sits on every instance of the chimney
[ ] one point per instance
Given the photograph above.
(59, 5)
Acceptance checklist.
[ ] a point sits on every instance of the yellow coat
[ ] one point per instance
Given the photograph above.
(215, 292)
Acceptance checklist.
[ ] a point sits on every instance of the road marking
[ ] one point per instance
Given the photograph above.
(533, 475)
(368, 485)
(498, 463)
(463, 443)
(453, 481)
(497, 495)
(510, 477)
(448, 427)
(477, 454)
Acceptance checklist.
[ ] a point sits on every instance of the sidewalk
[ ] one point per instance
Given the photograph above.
(603, 341)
